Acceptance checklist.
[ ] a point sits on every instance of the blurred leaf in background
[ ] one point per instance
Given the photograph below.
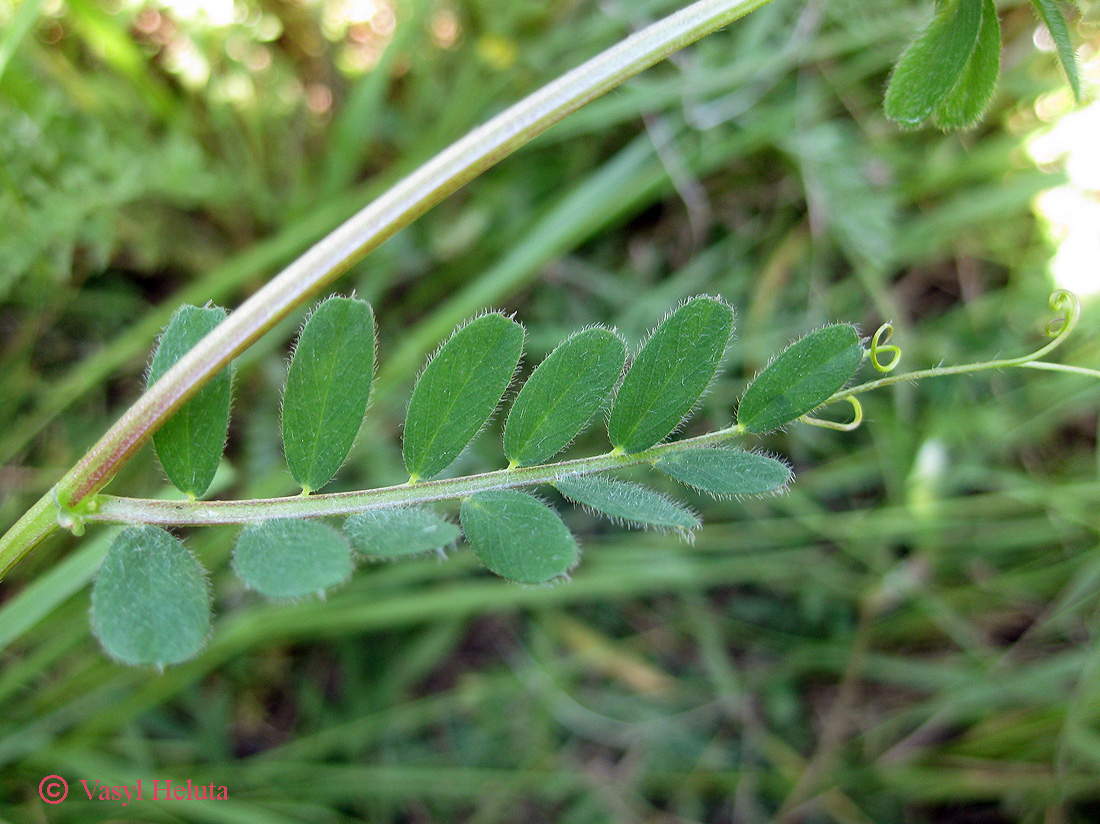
(909, 635)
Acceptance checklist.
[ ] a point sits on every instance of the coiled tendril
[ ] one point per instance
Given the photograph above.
(879, 343)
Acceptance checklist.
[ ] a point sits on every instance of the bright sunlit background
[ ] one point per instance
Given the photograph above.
(1072, 212)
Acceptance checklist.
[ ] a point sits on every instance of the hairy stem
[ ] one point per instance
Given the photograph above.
(362, 233)
(110, 509)
(1067, 304)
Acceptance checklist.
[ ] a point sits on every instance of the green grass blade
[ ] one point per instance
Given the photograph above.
(963, 106)
(933, 63)
(458, 392)
(725, 472)
(327, 389)
(18, 27)
(190, 443)
(517, 536)
(801, 378)
(623, 501)
(399, 532)
(570, 386)
(291, 558)
(24, 610)
(670, 374)
(1055, 22)
(151, 600)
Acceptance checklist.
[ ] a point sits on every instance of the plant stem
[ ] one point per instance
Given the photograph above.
(362, 233)
(111, 509)
(964, 369)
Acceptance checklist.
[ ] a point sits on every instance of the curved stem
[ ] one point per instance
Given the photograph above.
(362, 233)
(1062, 367)
(1063, 301)
(964, 369)
(111, 509)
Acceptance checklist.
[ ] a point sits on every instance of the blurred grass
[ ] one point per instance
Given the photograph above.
(909, 636)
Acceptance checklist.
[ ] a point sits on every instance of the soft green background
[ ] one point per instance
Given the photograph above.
(909, 635)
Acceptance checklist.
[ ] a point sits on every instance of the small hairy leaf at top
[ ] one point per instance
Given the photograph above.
(724, 471)
(562, 395)
(801, 378)
(1055, 22)
(625, 501)
(399, 532)
(291, 557)
(190, 443)
(963, 106)
(670, 374)
(458, 391)
(150, 601)
(933, 63)
(517, 536)
(327, 389)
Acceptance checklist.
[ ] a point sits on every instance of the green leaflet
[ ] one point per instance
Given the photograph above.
(726, 471)
(626, 501)
(801, 378)
(962, 107)
(517, 536)
(570, 386)
(190, 443)
(670, 374)
(291, 557)
(399, 532)
(1056, 24)
(933, 63)
(150, 601)
(327, 389)
(458, 392)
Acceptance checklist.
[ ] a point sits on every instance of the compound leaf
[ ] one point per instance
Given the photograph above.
(517, 536)
(399, 532)
(190, 443)
(458, 392)
(670, 374)
(570, 386)
(801, 378)
(1055, 22)
(150, 601)
(327, 389)
(963, 105)
(625, 501)
(725, 471)
(933, 63)
(291, 557)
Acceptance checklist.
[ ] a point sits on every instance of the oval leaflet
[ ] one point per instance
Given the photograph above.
(626, 501)
(570, 386)
(724, 471)
(327, 389)
(291, 557)
(397, 532)
(517, 536)
(190, 443)
(458, 392)
(801, 378)
(150, 600)
(670, 374)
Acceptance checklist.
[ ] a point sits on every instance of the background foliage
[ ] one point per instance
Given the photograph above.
(910, 635)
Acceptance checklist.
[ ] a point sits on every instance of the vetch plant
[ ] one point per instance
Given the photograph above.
(150, 599)
(150, 585)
